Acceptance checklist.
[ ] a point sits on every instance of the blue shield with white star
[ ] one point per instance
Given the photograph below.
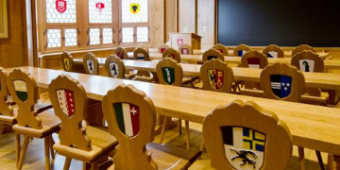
(281, 85)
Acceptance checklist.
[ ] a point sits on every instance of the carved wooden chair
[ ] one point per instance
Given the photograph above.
(217, 76)
(244, 136)
(141, 54)
(241, 49)
(172, 53)
(69, 65)
(221, 48)
(186, 49)
(212, 53)
(163, 47)
(86, 143)
(254, 59)
(301, 48)
(273, 51)
(131, 118)
(121, 53)
(91, 64)
(32, 121)
(115, 67)
(308, 61)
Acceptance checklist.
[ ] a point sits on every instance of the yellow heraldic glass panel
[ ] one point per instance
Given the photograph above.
(134, 11)
(61, 11)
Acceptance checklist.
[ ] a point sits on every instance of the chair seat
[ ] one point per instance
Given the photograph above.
(129, 74)
(8, 119)
(50, 124)
(323, 99)
(101, 141)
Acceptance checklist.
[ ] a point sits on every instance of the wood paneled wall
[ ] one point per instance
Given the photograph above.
(13, 51)
(187, 16)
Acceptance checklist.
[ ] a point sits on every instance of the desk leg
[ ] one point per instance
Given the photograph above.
(333, 97)
(337, 160)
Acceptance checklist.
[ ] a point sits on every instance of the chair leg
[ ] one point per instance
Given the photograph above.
(187, 131)
(51, 147)
(302, 158)
(67, 164)
(23, 152)
(1, 129)
(47, 152)
(180, 126)
(318, 155)
(330, 162)
(202, 146)
(163, 129)
(17, 148)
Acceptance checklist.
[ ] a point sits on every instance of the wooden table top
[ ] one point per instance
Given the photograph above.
(329, 64)
(311, 126)
(329, 81)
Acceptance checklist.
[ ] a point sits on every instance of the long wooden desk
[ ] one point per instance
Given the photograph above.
(329, 64)
(314, 127)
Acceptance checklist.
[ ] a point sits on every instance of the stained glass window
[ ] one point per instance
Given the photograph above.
(127, 35)
(134, 11)
(61, 11)
(100, 11)
(71, 37)
(53, 38)
(142, 34)
(107, 36)
(94, 36)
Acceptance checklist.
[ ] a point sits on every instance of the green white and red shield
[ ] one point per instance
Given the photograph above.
(128, 117)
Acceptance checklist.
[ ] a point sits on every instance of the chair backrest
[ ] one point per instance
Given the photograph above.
(241, 49)
(67, 61)
(254, 59)
(308, 61)
(217, 76)
(91, 64)
(172, 53)
(162, 48)
(283, 82)
(121, 53)
(169, 72)
(141, 54)
(115, 67)
(186, 49)
(24, 91)
(143, 46)
(221, 48)
(211, 54)
(273, 51)
(4, 93)
(131, 117)
(244, 136)
(69, 101)
(301, 48)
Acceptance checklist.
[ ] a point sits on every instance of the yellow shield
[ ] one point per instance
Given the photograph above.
(134, 8)
(67, 64)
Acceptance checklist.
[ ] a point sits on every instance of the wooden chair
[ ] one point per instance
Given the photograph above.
(186, 49)
(254, 59)
(241, 49)
(301, 48)
(141, 54)
(221, 48)
(245, 136)
(121, 53)
(91, 64)
(217, 76)
(31, 122)
(115, 67)
(308, 61)
(163, 47)
(170, 72)
(172, 53)
(69, 65)
(86, 143)
(212, 53)
(131, 119)
(273, 51)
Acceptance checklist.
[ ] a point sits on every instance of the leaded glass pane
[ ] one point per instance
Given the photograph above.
(94, 36)
(61, 11)
(100, 11)
(53, 38)
(107, 36)
(127, 35)
(142, 34)
(134, 11)
(71, 37)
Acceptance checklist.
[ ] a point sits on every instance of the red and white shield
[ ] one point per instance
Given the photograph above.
(61, 5)
(179, 41)
(66, 102)
(100, 6)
